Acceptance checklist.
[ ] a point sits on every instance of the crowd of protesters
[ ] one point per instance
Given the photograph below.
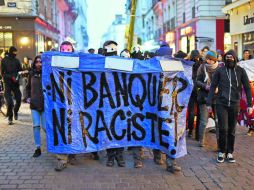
(217, 78)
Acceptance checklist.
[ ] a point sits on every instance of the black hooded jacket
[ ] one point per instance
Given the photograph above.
(10, 68)
(229, 82)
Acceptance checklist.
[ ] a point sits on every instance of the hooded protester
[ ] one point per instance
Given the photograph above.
(110, 49)
(229, 81)
(196, 58)
(10, 72)
(204, 79)
(36, 100)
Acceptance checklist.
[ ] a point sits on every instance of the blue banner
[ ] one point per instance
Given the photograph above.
(90, 107)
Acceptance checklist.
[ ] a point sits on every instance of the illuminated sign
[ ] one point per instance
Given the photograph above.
(5, 27)
(11, 4)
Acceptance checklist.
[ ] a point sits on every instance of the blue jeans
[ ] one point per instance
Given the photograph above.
(38, 122)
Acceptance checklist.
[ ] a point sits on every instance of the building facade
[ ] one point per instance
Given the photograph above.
(184, 24)
(80, 26)
(241, 15)
(35, 26)
(116, 32)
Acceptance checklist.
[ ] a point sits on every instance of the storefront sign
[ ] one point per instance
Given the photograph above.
(11, 4)
(247, 20)
(5, 27)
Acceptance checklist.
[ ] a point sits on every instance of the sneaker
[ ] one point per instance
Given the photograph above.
(138, 164)
(37, 153)
(60, 166)
(10, 122)
(110, 161)
(221, 157)
(230, 158)
(16, 116)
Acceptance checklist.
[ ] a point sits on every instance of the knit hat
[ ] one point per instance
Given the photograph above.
(211, 55)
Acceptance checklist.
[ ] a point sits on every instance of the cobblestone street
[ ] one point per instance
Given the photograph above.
(18, 170)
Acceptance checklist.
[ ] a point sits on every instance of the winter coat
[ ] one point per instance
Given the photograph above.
(229, 83)
(35, 92)
(201, 84)
(9, 70)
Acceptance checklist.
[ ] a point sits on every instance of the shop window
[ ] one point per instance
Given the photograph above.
(193, 12)
(6, 40)
(2, 3)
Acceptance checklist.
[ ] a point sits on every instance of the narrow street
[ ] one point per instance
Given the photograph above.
(18, 170)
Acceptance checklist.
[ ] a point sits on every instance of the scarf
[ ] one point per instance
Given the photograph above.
(209, 70)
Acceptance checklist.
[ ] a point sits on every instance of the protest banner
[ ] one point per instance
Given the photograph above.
(92, 103)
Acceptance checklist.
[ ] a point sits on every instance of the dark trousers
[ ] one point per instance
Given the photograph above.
(9, 89)
(227, 118)
(191, 113)
(115, 152)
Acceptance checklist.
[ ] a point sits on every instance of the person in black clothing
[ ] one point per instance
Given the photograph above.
(196, 58)
(229, 81)
(10, 72)
(110, 49)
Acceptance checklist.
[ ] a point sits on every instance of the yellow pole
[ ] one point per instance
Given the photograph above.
(132, 23)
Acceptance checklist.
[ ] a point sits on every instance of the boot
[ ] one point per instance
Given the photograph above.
(172, 166)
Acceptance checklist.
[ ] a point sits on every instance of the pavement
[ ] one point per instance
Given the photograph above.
(18, 170)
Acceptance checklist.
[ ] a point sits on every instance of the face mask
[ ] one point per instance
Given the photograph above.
(13, 55)
(230, 63)
(111, 53)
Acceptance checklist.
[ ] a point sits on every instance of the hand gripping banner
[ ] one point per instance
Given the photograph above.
(94, 102)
